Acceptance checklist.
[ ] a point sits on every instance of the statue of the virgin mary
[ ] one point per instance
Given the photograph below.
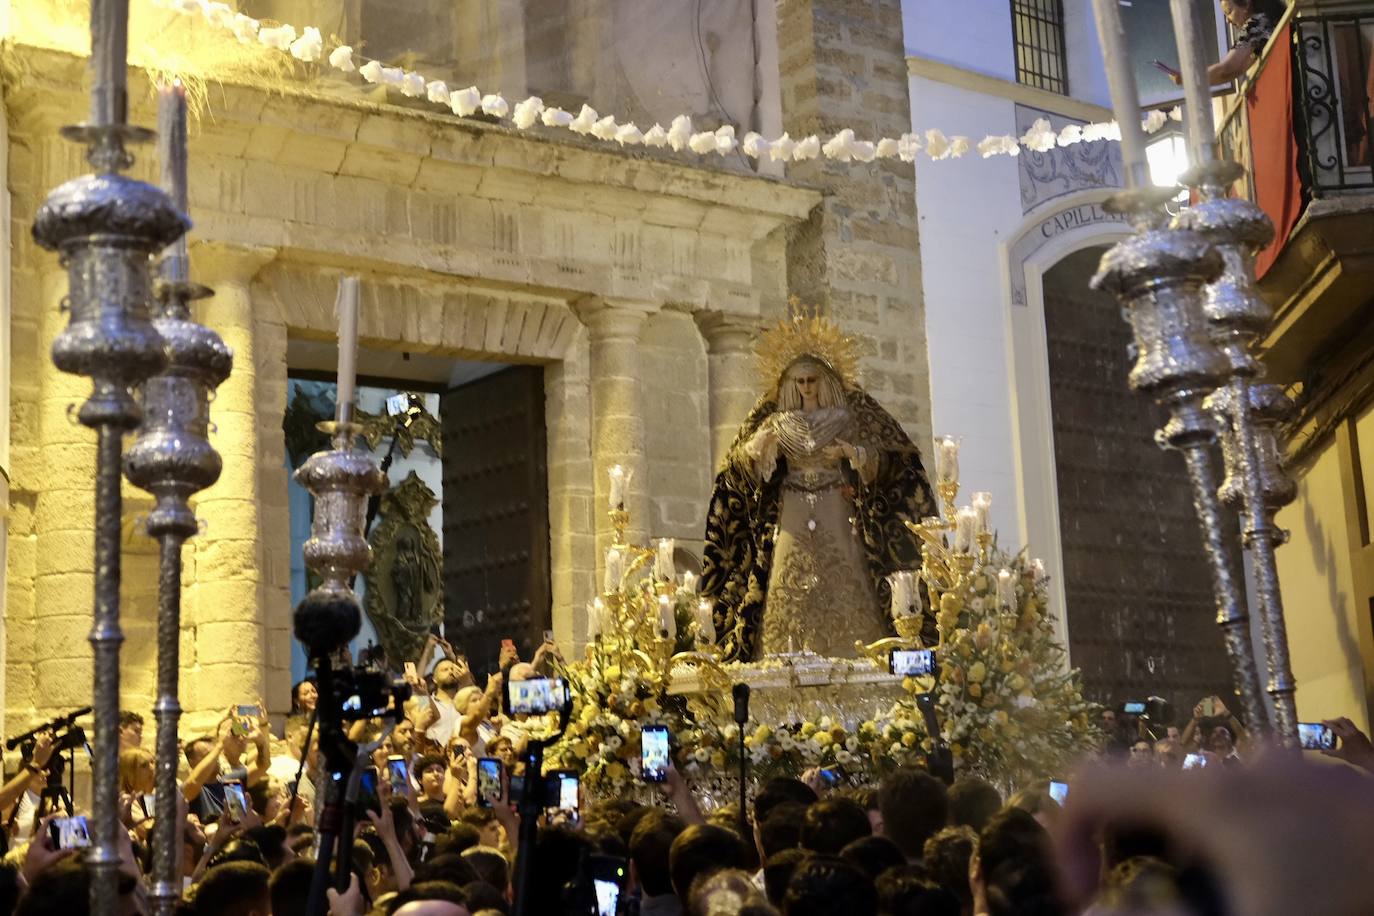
(806, 517)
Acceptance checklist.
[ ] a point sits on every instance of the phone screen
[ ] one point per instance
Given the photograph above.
(235, 801)
(488, 781)
(517, 787)
(398, 773)
(368, 799)
(607, 897)
(537, 696)
(912, 662)
(1194, 762)
(567, 791)
(1133, 709)
(249, 712)
(1059, 791)
(1314, 736)
(653, 762)
(70, 832)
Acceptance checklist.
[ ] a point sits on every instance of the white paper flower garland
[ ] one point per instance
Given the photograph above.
(308, 45)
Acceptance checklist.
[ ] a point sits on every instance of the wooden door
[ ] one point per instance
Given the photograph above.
(1141, 615)
(496, 515)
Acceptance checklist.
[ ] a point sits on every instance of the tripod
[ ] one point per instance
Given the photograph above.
(55, 790)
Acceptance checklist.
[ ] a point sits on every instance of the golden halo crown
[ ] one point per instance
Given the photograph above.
(806, 335)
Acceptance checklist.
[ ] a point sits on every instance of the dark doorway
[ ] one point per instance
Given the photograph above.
(496, 518)
(1141, 616)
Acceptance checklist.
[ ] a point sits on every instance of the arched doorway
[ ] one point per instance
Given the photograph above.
(1140, 612)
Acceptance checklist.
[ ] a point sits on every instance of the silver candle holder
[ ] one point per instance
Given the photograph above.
(172, 458)
(1159, 276)
(107, 227)
(1237, 316)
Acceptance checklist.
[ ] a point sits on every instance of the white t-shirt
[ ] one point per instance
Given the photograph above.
(442, 730)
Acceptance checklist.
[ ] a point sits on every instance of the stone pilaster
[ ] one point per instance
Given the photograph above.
(618, 429)
(730, 365)
(224, 620)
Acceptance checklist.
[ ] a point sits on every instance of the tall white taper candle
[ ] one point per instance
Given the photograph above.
(1197, 89)
(347, 306)
(1116, 54)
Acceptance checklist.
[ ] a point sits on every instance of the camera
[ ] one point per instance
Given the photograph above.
(913, 662)
(368, 694)
(537, 696)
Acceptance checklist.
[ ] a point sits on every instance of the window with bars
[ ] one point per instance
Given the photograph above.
(1038, 32)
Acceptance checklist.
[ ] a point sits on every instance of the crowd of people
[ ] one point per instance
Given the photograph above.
(1133, 833)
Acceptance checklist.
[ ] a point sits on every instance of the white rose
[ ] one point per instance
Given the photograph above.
(495, 106)
(309, 46)
(656, 136)
(412, 85)
(886, 149)
(702, 143)
(604, 128)
(341, 58)
(582, 124)
(556, 117)
(465, 101)
(371, 71)
(527, 112)
(680, 132)
(628, 134)
(780, 150)
(437, 92)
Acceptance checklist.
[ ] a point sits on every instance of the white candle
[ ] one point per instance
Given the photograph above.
(689, 584)
(620, 482)
(347, 307)
(1116, 54)
(663, 565)
(946, 459)
(1038, 570)
(1197, 88)
(901, 583)
(604, 623)
(615, 570)
(1006, 588)
(667, 621)
(982, 504)
(706, 626)
(965, 526)
(593, 620)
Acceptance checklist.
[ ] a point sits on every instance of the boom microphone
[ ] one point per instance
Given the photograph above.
(741, 695)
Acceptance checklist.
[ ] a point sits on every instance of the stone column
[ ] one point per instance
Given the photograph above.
(733, 383)
(615, 329)
(225, 617)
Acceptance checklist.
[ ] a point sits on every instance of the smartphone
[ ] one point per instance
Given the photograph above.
(368, 799)
(831, 777)
(1194, 761)
(563, 791)
(1133, 708)
(489, 771)
(1314, 736)
(517, 788)
(398, 773)
(912, 662)
(411, 671)
(1209, 707)
(1059, 791)
(653, 753)
(608, 880)
(536, 696)
(235, 802)
(250, 712)
(70, 832)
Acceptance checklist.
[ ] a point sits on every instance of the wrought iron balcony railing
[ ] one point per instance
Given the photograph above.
(1333, 79)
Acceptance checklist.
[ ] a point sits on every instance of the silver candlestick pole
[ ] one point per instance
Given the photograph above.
(106, 228)
(1237, 316)
(173, 459)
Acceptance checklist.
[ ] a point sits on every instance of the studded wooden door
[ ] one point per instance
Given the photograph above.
(496, 516)
(1140, 609)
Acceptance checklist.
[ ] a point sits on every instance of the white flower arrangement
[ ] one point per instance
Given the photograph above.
(656, 136)
(278, 38)
(680, 132)
(495, 105)
(781, 149)
(629, 135)
(527, 112)
(586, 118)
(437, 92)
(341, 59)
(1040, 137)
(808, 148)
(245, 28)
(604, 128)
(937, 144)
(555, 117)
(309, 46)
(412, 85)
(465, 102)
(1003, 145)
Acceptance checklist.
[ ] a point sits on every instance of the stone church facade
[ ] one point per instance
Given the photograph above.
(637, 283)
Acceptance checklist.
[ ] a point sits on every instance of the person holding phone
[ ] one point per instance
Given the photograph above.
(1209, 715)
(460, 781)
(1254, 22)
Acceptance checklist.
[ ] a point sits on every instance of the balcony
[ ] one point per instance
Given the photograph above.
(1303, 125)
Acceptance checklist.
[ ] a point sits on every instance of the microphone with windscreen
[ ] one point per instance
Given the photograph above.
(741, 695)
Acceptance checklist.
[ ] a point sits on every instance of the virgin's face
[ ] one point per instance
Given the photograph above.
(808, 382)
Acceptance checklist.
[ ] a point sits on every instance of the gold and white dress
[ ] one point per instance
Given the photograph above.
(820, 591)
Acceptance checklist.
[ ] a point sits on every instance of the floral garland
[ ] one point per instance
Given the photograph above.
(1008, 707)
(308, 45)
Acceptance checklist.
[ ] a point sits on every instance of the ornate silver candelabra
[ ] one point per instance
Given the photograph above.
(1237, 316)
(173, 459)
(1159, 276)
(106, 228)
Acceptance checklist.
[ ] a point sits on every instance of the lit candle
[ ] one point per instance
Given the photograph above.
(347, 307)
(982, 504)
(1038, 570)
(593, 620)
(901, 583)
(620, 481)
(1006, 588)
(615, 570)
(663, 566)
(604, 623)
(171, 148)
(689, 584)
(1116, 54)
(965, 527)
(947, 459)
(109, 61)
(667, 621)
(706, 626)
(1197, 88)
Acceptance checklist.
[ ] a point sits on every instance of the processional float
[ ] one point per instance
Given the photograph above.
(1187, 286)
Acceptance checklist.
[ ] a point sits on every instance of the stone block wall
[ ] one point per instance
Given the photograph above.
(843, 65)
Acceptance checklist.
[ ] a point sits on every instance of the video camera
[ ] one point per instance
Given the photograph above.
(67, 735)
(369, 693)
